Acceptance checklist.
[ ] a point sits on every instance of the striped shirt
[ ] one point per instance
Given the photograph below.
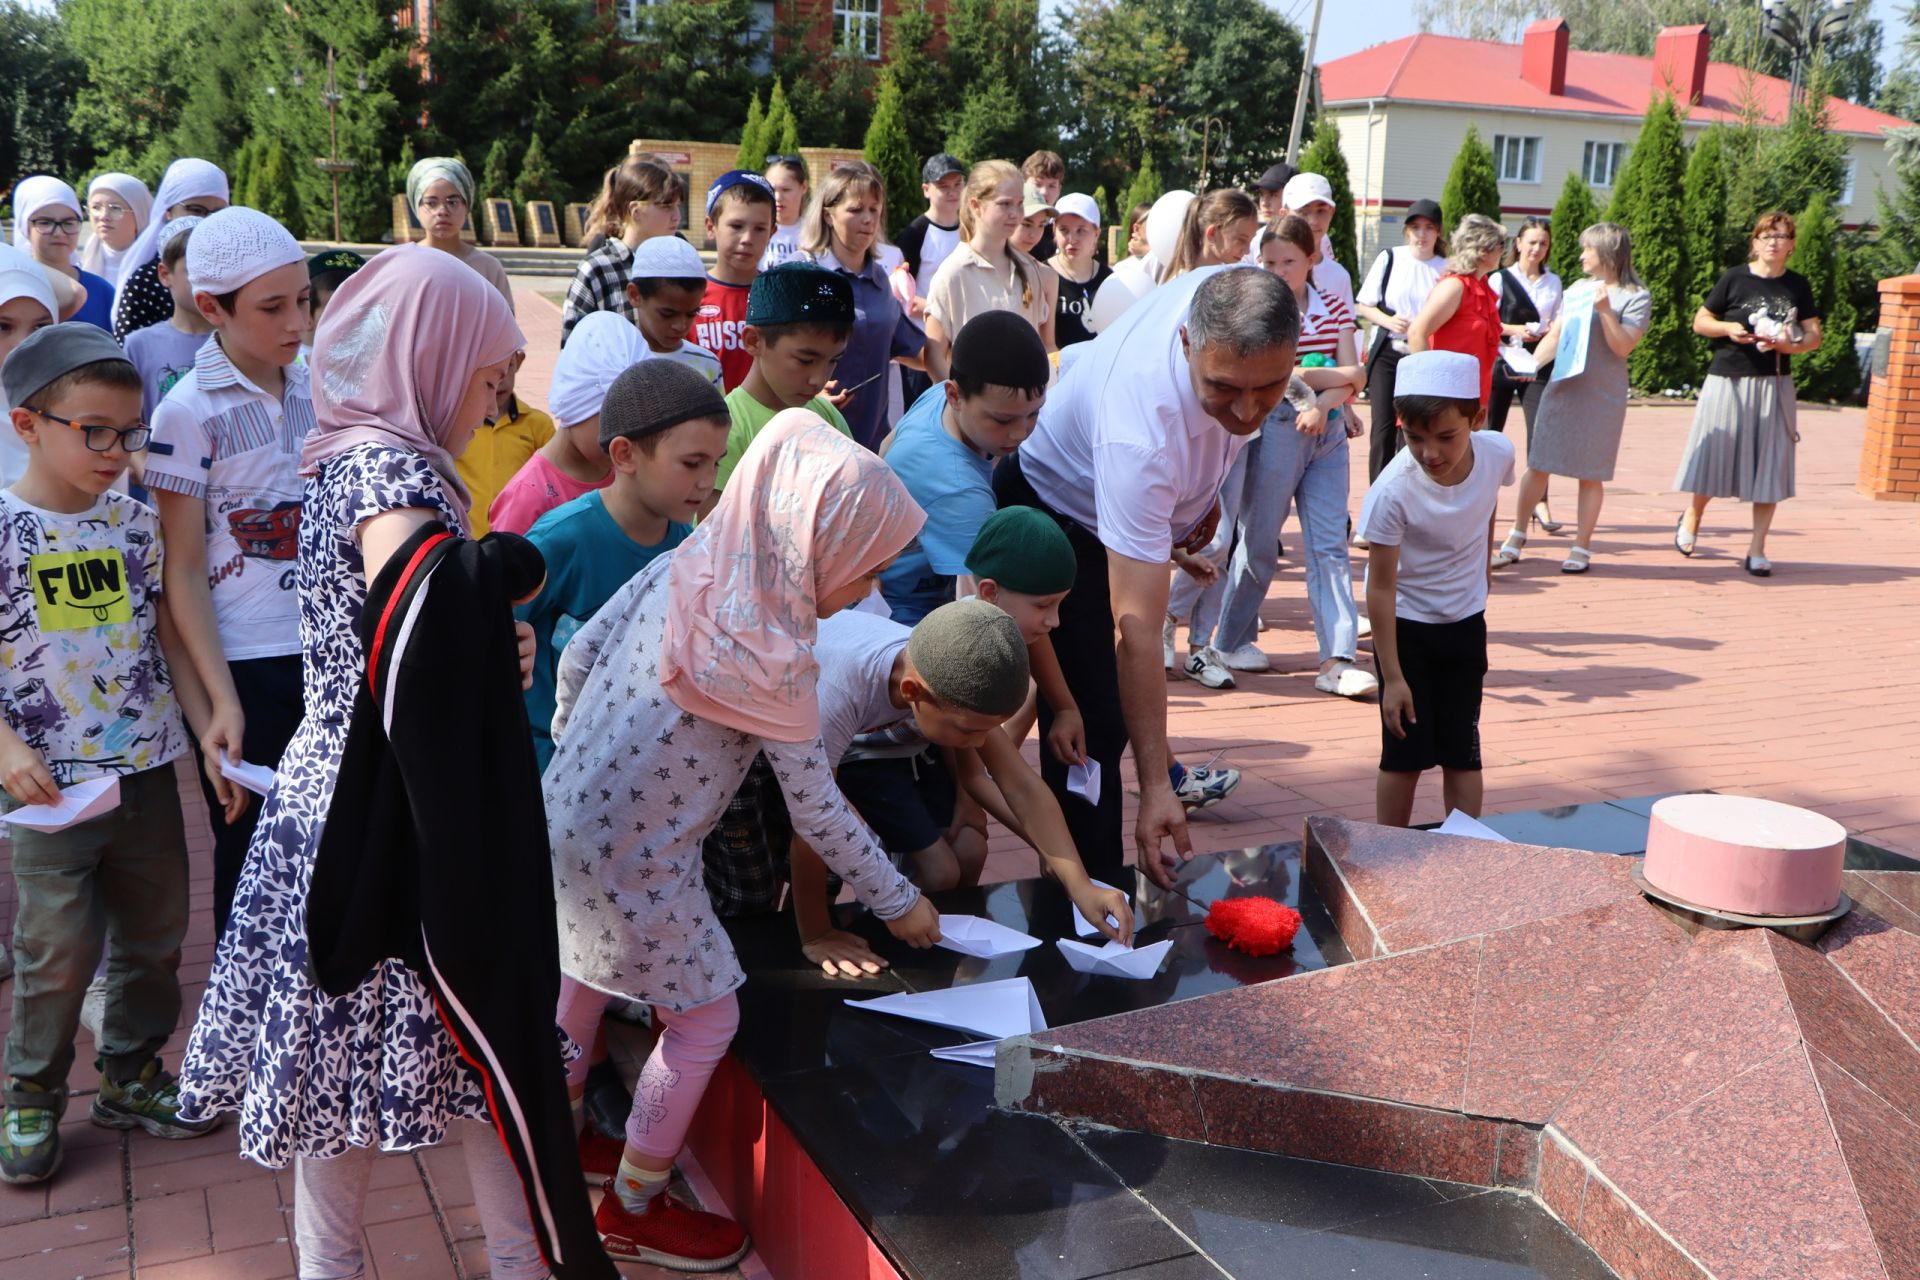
(1324, 321)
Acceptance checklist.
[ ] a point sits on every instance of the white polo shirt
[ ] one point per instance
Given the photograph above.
(1124, 448)
(218, 437)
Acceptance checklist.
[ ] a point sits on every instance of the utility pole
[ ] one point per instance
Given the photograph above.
(1306, 87)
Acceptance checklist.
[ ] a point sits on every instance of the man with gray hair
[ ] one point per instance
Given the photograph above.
(1128, 457)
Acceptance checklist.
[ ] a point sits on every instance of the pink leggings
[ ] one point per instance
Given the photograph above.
(674, 1080)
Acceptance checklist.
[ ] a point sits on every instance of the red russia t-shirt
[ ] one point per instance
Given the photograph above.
(723, 317)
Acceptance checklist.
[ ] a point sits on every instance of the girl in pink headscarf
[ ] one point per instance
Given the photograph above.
(406, 362)
(703, 660)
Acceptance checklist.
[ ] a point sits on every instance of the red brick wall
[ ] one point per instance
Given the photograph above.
(1890, 453)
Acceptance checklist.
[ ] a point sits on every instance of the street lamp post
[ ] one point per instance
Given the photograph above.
(1207, 125)
(1803, 34)
(332, 164)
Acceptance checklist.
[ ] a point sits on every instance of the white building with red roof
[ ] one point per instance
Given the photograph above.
(1547, 110)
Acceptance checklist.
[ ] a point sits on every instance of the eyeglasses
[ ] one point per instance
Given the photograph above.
(108, 211)
(785, 159)
(198, 210)
(47, 226)
(100, 439)
(1770, 238)
(452, 204)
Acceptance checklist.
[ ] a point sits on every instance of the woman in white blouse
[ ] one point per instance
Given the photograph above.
(1526, 313)
(1390, 297)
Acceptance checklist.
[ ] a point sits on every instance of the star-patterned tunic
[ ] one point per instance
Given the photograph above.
(635, 785)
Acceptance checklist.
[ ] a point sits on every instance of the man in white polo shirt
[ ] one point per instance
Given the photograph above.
(1129, 455)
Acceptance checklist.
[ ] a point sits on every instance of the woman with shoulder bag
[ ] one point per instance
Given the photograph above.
(1390, 297)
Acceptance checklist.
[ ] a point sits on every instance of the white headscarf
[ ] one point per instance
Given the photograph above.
(37, 193)
(97, 257)
(183, 181)
(600, 348)
(20, 277)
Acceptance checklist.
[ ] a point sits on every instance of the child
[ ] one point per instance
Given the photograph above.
(985, 272)
(407, 361)
(927, 241)
(638, 201)
(1429, 522)
(503, 445)
(1034, 233)
(947, 683)
(163, 353)
(223, 472)
(716, 642)
(663, 428)
(86, 653)
(27, 305)
(1046, 172)
(326, 272)
(944, 450)
(740, 209)
(787, 176)
(799, 320)
(47, 218)
(190, 187)
(1137, 246)
(1078, 266)
(664, 296)
(571, 462)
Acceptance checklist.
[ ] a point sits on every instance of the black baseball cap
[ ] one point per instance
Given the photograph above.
(1276, 178)
(939, 166)
(1428, 209)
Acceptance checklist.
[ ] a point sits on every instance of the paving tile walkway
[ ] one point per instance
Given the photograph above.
(1652, 673)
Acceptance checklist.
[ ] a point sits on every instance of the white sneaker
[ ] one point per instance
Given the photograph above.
(1347, 681)
(1247, 658)
(1166, 644)
(1365, 630)
(1204, 668)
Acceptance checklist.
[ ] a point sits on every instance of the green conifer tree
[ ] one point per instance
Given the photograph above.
(1705, 211)
(890, 150)
(753, 144)
(1146, 186)
(1324, 157)
(1655, 217)
(780, 125)
(536, 179)
(1573, 213)
(1473, 184)
(1832, 371)
(496, 176)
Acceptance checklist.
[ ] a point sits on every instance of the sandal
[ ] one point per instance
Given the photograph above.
(1509, 552)
(1578, 560)
(1544, 520)
(1683, 541)
(1758, 566)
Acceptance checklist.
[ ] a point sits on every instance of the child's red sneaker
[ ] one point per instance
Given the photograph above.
(669, 1234)
(599, 1154)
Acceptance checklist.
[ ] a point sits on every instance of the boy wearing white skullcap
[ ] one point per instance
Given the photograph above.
(1429, 520)
(666, 285)
(223, 469)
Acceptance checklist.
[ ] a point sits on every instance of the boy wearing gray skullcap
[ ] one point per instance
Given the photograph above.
(912, 715)
(663, 427)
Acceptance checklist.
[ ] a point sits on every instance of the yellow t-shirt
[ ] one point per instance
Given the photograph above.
(750, 417)
(495, 453)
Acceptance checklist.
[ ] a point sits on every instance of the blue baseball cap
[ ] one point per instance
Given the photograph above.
(735, 178)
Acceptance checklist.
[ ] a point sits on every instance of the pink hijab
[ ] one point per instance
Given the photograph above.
(806, 512)
(395, 353)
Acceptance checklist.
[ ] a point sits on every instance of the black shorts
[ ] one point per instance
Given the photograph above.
(907, 800)
(1443, 663)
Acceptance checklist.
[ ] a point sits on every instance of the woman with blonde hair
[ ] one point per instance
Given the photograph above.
(985, 272)
(1576, 430)
(1462, 313)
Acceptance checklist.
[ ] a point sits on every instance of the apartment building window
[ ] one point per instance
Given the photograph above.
(1517, 158)
(1848, 172)
(1602, 162)
(856, 27)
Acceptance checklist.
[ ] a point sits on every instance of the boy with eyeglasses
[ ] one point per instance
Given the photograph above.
(86, 653)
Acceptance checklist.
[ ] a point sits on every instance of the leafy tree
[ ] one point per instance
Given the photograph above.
(1120, 102)
(1900, 208)
(829, 89)
(998, 47)
(788, 140)
(694, 64)
(778, 124)
(1831, 371)
(753, 147)
(1146, 186)
(496, 176)
(925, 94)
(536, 181)
(1704, 209)
(1573, 213)
(1473, 184)
(889, 150)
(989, 123)
(42, 78)
(1655, 217)
(272, 190)
(1324, 157)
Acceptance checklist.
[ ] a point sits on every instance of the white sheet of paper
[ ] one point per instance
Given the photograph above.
(1519, 360)
(1576, 331)
(1084, 781)
(256, 778)
(78, 803)
(974, 936)
(975, 1053)
(997, 1010)
(1085, 927)
(1459, 824)
(1113, 959)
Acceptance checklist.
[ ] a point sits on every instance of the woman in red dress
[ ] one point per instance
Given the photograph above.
(1463, 312)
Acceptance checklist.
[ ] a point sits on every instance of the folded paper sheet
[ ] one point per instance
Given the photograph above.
(78, 803)
(1000, 1009)
(973, 936)
(1459, 824)
(1084, 781)
(256, 778)
(1114, 960)
(1085, 927)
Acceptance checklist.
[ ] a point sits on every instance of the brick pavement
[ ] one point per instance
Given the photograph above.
(1652, 673)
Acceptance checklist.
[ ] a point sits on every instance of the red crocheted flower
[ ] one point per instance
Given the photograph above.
(1257, 926)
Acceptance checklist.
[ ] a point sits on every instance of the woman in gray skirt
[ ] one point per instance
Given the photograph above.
(1745, 427)
(1576, 430)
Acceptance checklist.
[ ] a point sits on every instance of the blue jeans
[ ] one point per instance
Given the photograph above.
(1279, 467)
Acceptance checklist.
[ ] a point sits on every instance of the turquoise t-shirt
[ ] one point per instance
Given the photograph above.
(589, 557)
(954, 486)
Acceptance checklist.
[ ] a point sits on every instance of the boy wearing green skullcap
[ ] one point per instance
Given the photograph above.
(912, 718)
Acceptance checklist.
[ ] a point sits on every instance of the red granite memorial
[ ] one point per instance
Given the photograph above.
(1693, 1098)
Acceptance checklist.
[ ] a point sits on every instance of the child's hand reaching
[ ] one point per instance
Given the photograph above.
(1096, 904)
(1396, 707)
(1196, 567)
(843, 955)
(919, 927)
(25, 775)
(1067, 739)
(523, 635)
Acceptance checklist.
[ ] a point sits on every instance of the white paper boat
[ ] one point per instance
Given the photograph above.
(1114, 960)
(1085, 927)
(974, 936)
(78, 803)
(996, 1010)
(256, 778)
(1459, 824)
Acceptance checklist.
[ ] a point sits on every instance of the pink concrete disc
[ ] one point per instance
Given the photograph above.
(1737, 853)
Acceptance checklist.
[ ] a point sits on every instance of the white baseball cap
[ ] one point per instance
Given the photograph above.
(1079, 206)
(1305, 189)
